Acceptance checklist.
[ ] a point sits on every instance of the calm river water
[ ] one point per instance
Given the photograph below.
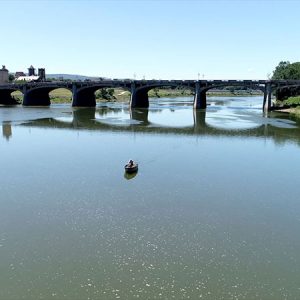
(213, 212)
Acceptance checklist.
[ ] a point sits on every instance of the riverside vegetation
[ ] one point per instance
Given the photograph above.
(288, 71)
(290, 105)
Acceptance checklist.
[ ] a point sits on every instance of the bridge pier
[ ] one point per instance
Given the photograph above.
(200, 97)
(36, 96)
(83, 97)
(139, 97)
(267, 103)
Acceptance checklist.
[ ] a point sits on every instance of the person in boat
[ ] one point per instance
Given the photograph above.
(130, 163)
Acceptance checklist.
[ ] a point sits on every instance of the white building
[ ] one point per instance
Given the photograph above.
(28, 78)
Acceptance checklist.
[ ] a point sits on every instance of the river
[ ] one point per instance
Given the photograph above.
(213, 212)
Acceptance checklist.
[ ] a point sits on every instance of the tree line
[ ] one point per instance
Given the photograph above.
(286, 70)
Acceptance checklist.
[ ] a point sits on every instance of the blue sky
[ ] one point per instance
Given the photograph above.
(152, 39)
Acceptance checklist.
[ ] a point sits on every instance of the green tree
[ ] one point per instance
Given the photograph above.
(11, 77)
(106, 94)
(286, 70)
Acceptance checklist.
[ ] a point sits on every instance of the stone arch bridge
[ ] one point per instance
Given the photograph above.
(83, 93)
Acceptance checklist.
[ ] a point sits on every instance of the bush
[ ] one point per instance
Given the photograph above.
(106, 94)
(292, 101)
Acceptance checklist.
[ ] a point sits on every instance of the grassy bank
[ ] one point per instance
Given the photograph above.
(295, 111)
(290, 105)
(292, 102)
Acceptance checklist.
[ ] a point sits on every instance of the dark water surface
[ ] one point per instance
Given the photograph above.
(213, 212)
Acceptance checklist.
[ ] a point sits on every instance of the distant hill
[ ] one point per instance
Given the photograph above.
(71, 76)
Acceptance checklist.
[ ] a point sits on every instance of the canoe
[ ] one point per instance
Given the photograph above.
(131, 169)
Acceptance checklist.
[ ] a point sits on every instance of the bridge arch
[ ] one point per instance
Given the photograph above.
(235, 85)
(85, 96)
(201, 88)
(7, 97)
(61, 94)
(140, 97)
(39, 96)
(112, 94)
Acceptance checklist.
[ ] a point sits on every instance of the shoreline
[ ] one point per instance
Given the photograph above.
(291, 110)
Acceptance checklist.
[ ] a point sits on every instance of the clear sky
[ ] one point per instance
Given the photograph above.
(153, 39)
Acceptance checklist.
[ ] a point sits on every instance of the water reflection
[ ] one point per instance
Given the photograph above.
(6, 131)
(167, 116)
(140, 115)
(130, 176)
(206, 123)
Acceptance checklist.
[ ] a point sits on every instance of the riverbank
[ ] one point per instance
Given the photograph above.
(290, 105)
(291, 110)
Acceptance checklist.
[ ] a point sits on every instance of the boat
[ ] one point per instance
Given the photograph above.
(131, 167)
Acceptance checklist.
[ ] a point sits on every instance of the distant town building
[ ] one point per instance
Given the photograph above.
(31, 71)
(42, 74)
(3, 75)
(19, 74)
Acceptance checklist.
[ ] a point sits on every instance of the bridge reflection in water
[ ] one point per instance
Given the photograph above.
(202, 122)
(6, 131)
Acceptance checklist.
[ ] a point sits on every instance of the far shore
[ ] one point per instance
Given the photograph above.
(65, 96)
